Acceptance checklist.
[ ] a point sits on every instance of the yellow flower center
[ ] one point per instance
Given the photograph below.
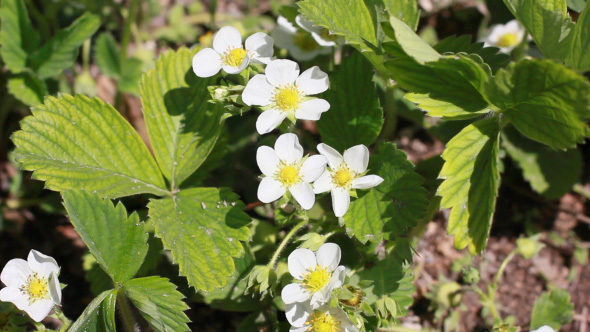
(234, 57)
(322, 322)
(508, 40)
(36, 287)
(305, 41)
(288, 175)
(288, 98)
(316, 279)
(343, 176)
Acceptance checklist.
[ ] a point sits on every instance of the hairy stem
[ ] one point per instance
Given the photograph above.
(127, 317)
(285, 241)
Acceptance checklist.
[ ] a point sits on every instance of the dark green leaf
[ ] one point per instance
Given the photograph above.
(411, 43)
(576, 5)
(462, 44)
(579, 56)
(99, 316)
(107, 55)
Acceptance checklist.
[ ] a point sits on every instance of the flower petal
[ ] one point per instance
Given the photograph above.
(544, 328)
(305, 24)
(42, 264)
(328, 255)
(284, 23)
(54, 289)
(267, 160)
(312, 109)
(297, 313)
(268, 120)
(320, 297)
(334, 157)
(261, 46)
(226, 39)
(236, 70)
(367, 181)
(258, 91)
(313, 167)
(300, 261)
(39, 309)
(338, 277)
(288, 149)
(293, 293)
(323, 183)
(15, 273)
(206, 63)
(340, 201)
(357, 158)
(282, 72)
(303, 194)
(313, 81)
(14, 295)
(269, 190)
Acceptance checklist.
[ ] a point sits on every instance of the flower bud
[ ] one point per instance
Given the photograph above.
(528, 247)
(471, 275)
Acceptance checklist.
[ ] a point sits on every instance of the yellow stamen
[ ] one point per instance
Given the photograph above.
(322, 322)
(507, 40)
(305, 41)
(316, 279)
(288, 98)
(36, 287)
(288, 175)
(343, 176)
(234, 57)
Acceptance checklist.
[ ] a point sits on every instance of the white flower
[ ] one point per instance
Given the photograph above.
(32, 285)
(505, 36)
(229, 54)
(301, 45)
(305, 319)
(286, 169)
(317, 275)
(285, 92)
(544, 328)
(344, 174)
(321, 35)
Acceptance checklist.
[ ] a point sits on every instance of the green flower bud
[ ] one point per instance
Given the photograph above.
(529, 247)
(471, 275)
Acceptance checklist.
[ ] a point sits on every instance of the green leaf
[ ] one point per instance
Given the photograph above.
(471, 183)
(576, 5)
(405, 10)
(354, 116)
(99, 315)
(82, 143)
(61, 51)
(349, 18)
(579, 56)
(182, 124)
(159, 303)
(202, 227)
(107, 55)
(392, 207)
(27, 88)
(550, 173)
(548, 23)
(18, 38)
(117, 242)
(462, 44)
(411, 43)
(554, 309)
(131, 75)
(545, 101)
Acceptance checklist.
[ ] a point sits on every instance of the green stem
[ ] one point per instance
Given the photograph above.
(285, 241)
(390, 113)
(125, 310)
(502, 268)
(65, 322)
(39, 326)
(86, 55)
(126, 37)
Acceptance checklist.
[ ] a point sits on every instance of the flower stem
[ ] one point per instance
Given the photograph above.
(285, 241)
(65, 322)
(502, 268)
(39, 326)
(125, 311)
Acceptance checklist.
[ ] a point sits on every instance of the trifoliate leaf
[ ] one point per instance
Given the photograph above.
(183, 126)
(202, 227)
(82, 143)
(550, 173)
(354, 116)
(405, 10)
(99, 315)
(118, 242)
(411, 43)
(579, 56)
(392, 207)
(548, 23)
(27, 88)
(545, 101)
(351, 19)
(462, 44)
(18, 38)
(471, 183)
(554, 309)
(159, 303)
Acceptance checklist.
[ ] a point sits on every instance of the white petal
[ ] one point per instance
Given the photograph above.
(338, 277)
(283, 38)
(334, 157)
(313, 81)
(357, 158)
(269, 190)
(321, 41)
(303, 194)
(323, 183)
(299, 329)
(14, 295)
(54, 289)
(282, 72)
(367, 181)
(328, 255)
(300, 261)
(226, 39)
(340, 201)
(267, 160)
(288, 149)
(236, 70)
(42, 264)
(306, 25)
(313, 167)
(345, 323)
(261, 46)
(206, 63)
(320, 297)
(312, 109)
(285, 24)
(268, 120)
(39, 309)
(258, 91)
(293, 293)
(544, 328)
(297, 313)
(15, 273)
